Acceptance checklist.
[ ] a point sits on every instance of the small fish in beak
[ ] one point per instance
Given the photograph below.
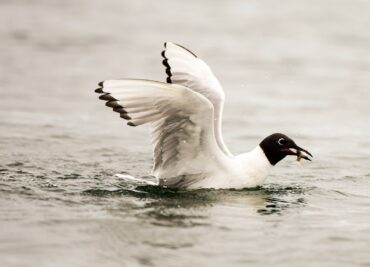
(303, 154)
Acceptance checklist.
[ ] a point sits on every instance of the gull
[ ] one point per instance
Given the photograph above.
(185, 116)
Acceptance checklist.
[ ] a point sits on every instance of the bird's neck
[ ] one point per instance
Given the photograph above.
(255, 164)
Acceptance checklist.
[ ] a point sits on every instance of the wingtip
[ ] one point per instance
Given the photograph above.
(183, 47)
(107, 97)
(163, 54)
(113, 104)
(130, 123)
(119, 110)
(125, 116)
(168, 67)
(167, 43)
(99, 90)
(168, 71)
(101, 83)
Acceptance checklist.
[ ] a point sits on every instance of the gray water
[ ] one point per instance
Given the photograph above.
(300, 67)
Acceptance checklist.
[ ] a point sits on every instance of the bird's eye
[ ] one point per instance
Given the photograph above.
(281, 141)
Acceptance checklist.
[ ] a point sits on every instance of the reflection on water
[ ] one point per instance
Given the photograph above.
(181, 208)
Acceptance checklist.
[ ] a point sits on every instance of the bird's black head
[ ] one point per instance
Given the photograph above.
(277, 146)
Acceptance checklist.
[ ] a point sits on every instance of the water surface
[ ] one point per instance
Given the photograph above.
(297, 67)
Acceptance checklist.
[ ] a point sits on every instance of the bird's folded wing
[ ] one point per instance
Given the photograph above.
(182, 125)
(185, 68)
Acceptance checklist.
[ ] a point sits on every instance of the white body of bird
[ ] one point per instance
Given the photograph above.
(185, 115)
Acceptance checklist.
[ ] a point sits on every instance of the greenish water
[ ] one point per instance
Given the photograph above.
(297, 67)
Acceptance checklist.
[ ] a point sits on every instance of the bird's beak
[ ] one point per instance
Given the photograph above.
(299, 152)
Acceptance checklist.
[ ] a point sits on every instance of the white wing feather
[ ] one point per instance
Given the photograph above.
(185, 68)
(185, 148)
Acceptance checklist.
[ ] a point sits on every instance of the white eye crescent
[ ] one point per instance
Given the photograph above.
(281, 141)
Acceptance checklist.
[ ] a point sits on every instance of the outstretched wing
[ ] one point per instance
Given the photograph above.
(185, 68)
(182, 126)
